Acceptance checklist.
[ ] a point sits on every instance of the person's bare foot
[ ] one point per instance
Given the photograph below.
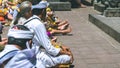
(66, 31)
(63, 26)
(82, 6)
(54, 39)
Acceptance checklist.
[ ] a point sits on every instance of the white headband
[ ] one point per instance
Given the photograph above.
(41, 5)
(21, 34)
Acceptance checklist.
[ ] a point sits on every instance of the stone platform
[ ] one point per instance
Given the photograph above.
(99, 7)
(57, 5)
(60, 6)
(110, 25)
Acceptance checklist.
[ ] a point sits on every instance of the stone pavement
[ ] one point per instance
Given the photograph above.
(91, 47)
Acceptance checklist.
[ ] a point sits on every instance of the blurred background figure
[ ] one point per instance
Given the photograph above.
(77, 3)
(3, 41)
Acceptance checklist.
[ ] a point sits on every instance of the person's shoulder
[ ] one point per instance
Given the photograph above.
(7, 49)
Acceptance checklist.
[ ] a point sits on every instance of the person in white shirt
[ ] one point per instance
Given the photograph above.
(18, 53)
(52, 56)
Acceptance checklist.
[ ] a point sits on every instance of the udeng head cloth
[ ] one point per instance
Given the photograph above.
(20, 34)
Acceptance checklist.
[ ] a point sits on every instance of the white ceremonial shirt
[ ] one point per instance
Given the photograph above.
(8, 52)
(41, 38)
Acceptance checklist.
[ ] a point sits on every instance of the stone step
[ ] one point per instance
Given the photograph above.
(112, 12)
(60, 6)
(110, 25)
(99, 7)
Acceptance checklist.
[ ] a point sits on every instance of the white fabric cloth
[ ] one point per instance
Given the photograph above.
(20, 34)
(24, 59)
(20, 59)
(41, 39)
(40, 36)
(4, 54)
(50, 61)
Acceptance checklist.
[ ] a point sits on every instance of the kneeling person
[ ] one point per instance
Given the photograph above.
(18, 52)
